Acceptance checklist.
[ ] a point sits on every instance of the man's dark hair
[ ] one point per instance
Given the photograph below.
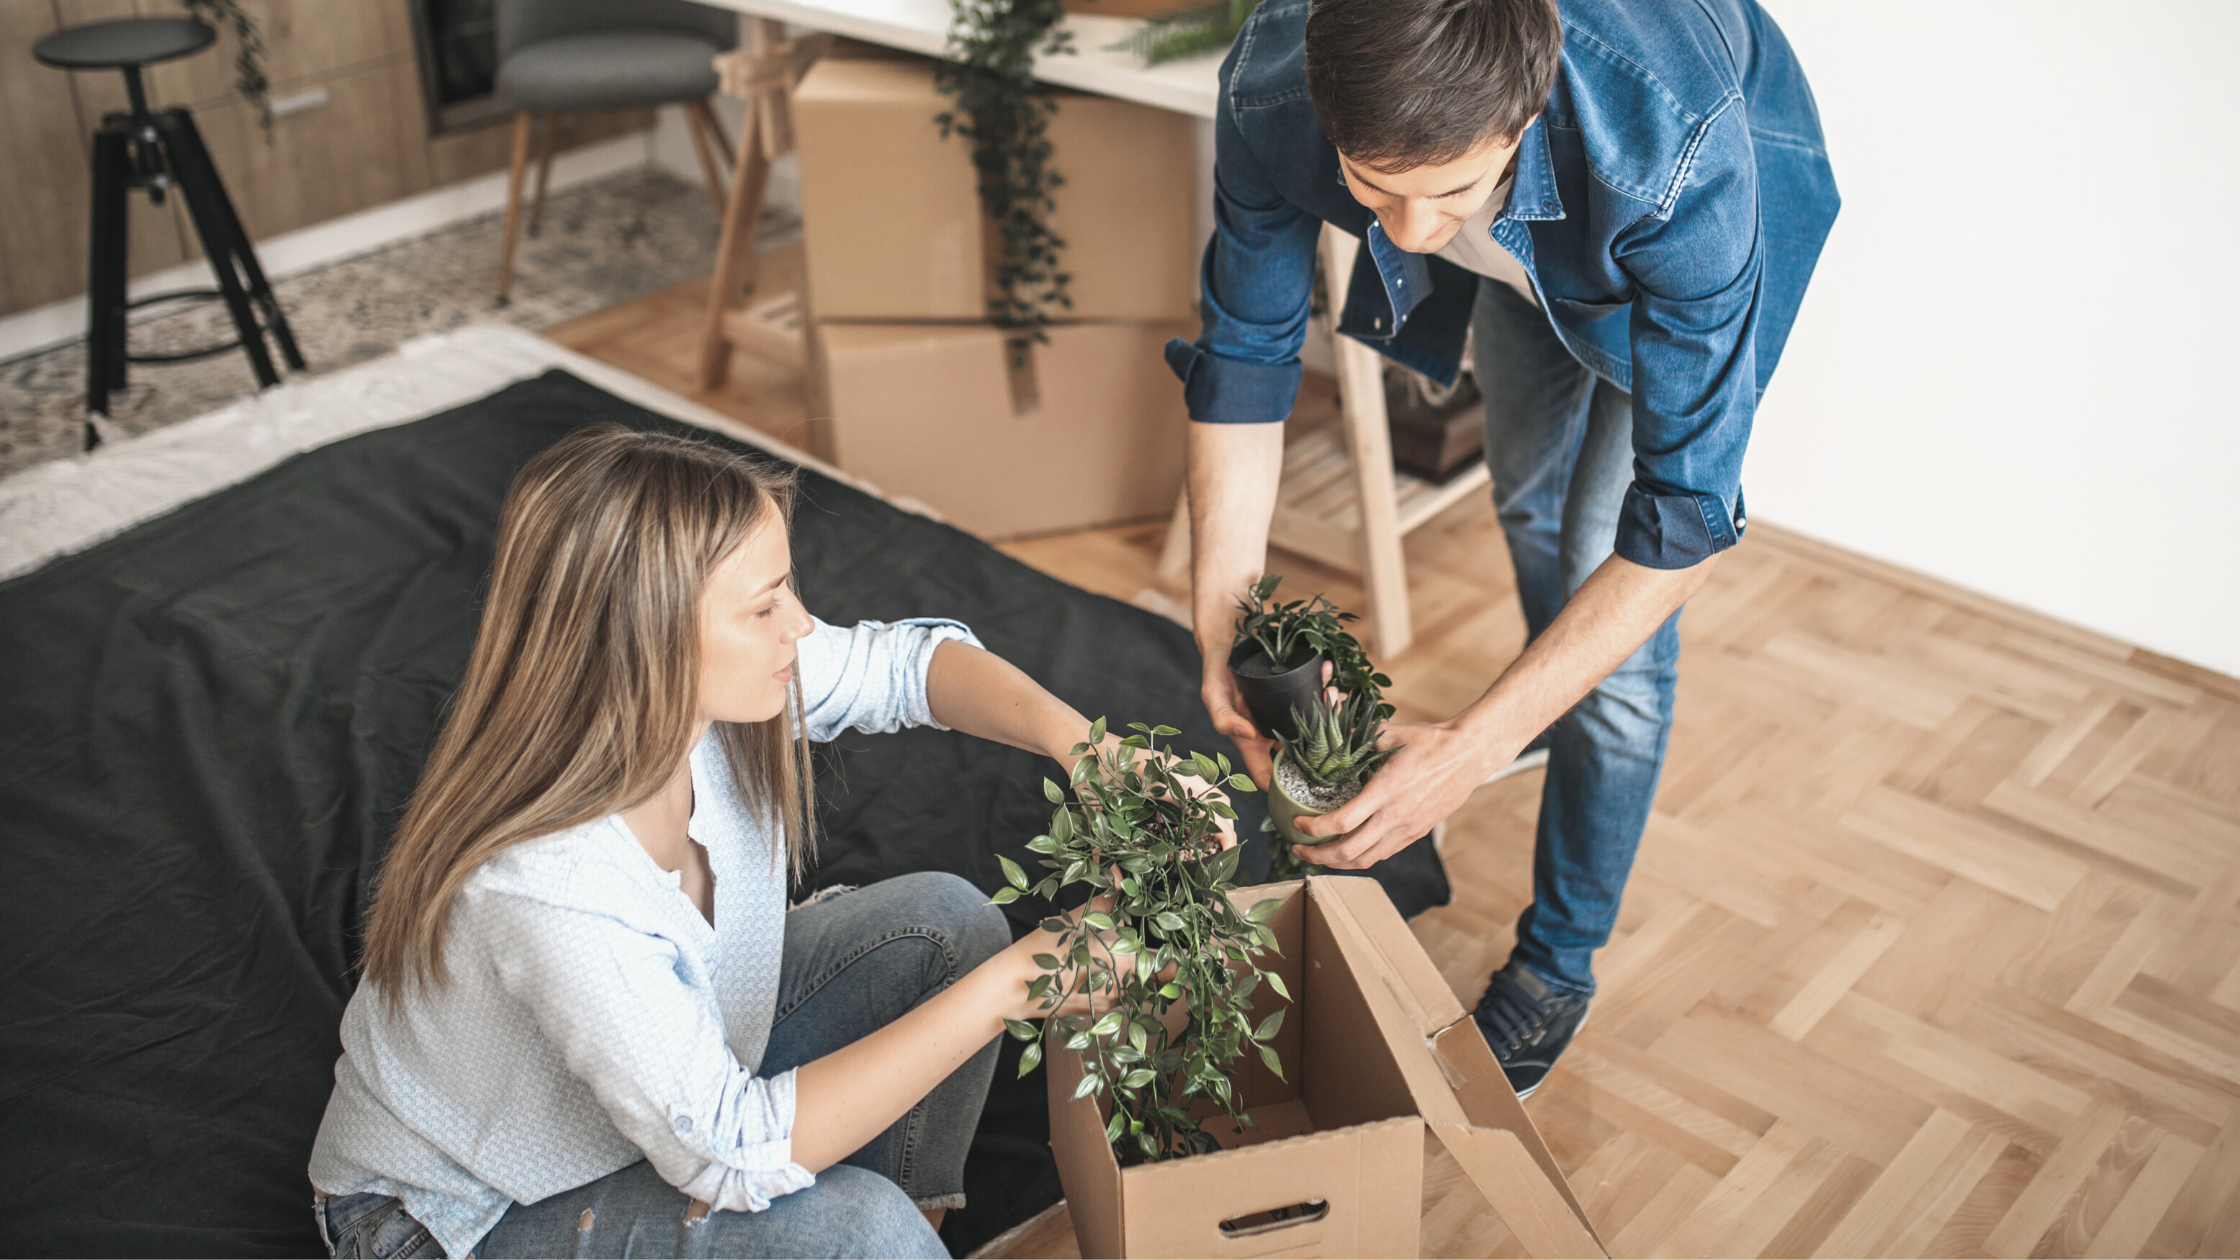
(1405, 83)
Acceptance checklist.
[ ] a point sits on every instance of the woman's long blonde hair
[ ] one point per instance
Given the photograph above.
(581, 694)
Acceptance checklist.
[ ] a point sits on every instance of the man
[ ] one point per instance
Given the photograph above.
(1622, 203)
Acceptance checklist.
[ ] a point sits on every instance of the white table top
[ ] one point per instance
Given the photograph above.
(1188, 86)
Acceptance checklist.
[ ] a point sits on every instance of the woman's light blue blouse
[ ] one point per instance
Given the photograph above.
(591, 1017)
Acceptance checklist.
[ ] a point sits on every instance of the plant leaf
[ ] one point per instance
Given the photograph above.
(1012, 873)
(1030, 1059)
(1021, 1029)
(1267, 1056)
(1056, 794)
(1269, 1025)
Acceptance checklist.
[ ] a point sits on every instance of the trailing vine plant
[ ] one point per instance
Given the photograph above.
(1005, 114)
(248, 60)
(1136, 831)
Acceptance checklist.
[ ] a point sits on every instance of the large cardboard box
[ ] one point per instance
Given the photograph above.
(891, 219)
(1381, 1059)
(1086, 430)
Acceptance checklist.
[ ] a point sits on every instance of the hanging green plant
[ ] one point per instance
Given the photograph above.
(1167, 1031)
(1005, 113)
(1189, 32)
(248, 59)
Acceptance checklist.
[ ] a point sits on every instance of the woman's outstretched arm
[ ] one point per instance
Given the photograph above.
(973, 690)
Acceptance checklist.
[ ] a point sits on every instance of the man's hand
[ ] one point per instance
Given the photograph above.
(1225, 704)
(1435, 770)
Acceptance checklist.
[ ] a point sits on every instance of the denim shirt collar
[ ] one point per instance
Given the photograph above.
(1377, 312)
(1532, 195)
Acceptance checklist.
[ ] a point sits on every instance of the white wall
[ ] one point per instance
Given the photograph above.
(2013, 369)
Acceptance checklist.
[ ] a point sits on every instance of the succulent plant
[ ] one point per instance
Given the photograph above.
(1337, 743)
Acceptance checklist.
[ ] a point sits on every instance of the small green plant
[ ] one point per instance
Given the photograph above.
(1280, 628)
(1189, 32)
(1337, 743)
(1005, 113)
(1137, 832)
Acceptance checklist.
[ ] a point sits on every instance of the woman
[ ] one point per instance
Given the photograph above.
(588, 1024)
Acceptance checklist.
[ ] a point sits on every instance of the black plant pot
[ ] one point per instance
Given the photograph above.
(1272, 697)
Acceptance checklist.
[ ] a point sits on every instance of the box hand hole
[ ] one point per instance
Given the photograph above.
(1274, 1219)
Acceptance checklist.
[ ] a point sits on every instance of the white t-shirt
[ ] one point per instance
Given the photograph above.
(1474, 249)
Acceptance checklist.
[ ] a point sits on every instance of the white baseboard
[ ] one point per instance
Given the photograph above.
(307, 249)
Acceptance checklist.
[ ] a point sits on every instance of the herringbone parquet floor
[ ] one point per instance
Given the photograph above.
(1931, 948)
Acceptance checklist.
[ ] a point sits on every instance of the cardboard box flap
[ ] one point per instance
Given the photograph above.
(1458, 1086)
(1416, 984)
(1538, 1211)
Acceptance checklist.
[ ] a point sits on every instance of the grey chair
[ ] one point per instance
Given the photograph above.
(556, 55)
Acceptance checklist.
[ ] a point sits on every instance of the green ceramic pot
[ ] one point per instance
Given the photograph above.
(1287, 811)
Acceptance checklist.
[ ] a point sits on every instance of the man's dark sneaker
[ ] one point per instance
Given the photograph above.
(1528, 1024)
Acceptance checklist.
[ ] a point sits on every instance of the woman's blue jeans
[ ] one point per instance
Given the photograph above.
(853, 964)
(1559, 443)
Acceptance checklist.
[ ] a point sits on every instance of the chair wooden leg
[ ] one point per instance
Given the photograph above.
(521, 125)
(544, 170)
(698, 125)
(714, 120)
(735, 253)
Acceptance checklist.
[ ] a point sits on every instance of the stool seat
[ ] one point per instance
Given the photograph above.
(124, 43)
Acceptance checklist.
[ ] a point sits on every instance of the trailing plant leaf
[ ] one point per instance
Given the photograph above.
(248, 60)
(1005, 113)
(1137, 817)
(1189, 32)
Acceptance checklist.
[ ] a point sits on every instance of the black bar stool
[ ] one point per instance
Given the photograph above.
(159, 151)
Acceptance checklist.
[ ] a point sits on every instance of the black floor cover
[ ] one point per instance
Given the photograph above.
(208, 727)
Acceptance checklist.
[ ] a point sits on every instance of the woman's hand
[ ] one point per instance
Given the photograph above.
(1192, 782)
(1083, 997)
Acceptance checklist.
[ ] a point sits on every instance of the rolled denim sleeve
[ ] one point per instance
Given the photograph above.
(1696, 268)
(1255, 283)
(650, 1049)
(871, 676)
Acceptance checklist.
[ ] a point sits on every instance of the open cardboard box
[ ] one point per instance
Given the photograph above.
(1378, 1051)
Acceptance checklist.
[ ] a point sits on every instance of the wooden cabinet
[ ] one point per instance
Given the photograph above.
(366, 145)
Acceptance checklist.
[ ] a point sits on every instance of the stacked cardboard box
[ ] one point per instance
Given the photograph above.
(927, 399)
(1379, 1058)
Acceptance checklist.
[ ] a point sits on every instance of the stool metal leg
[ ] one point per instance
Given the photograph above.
(205, 204)
(260, 289)
(105, 280)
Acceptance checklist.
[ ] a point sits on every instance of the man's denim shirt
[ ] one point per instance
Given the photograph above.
(1669, 206)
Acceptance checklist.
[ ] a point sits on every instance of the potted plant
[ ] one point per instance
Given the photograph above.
(1327, 765)
(1279, 652)
(1164, 1033)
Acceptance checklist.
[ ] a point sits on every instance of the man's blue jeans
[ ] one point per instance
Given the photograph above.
(853, 963)
(1559, 443)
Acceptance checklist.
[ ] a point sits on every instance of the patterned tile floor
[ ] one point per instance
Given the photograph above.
(602, 244)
